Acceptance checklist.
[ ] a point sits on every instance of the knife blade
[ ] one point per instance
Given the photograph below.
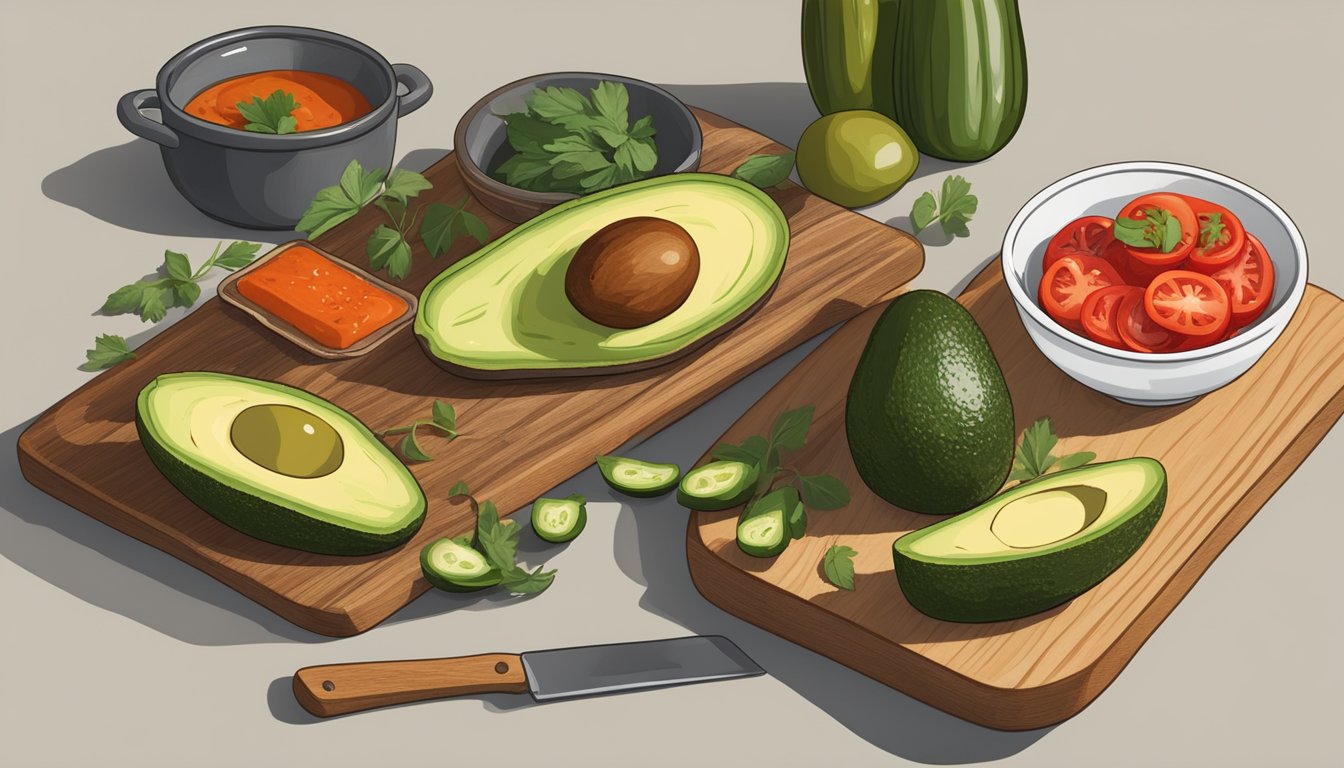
(549, 675)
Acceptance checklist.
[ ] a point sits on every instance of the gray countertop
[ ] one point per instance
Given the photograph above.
(116, 654)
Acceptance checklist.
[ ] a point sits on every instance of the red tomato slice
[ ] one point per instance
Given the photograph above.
(1099, 315)
(1088, 236)
(1180, 210)
(1188, 302)
(1248, 281)
(1138, 330)
(1221, 236)
(1068, 281)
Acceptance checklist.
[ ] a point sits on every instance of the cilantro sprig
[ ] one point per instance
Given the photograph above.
(1157, 229)
(498, 541)
(1211, 231)
(151, 298)
(838, 565)
(274, 114)
(389, 245)
(566, 142)
(1034, 457)
(765, 171)
(442, 419)
(789, 434)
(952, 209)
(108, 350)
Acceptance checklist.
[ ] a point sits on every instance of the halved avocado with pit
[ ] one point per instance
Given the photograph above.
(502, 312)
(1035, 545)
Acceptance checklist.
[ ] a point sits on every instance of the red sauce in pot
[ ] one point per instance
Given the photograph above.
(324, 101)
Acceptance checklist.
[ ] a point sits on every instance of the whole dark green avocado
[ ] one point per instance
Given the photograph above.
(929, 418)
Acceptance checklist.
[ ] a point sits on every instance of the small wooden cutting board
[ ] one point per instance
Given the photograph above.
(1042, 669)
(518, 438)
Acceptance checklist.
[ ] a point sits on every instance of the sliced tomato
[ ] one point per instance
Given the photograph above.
(1140, 209)
(1188, 302)
(1137, 329)
(1069, 281)
(1135, 272)
(1248, 281)
(1099, 315)
(1088, 236)
(1221, 236)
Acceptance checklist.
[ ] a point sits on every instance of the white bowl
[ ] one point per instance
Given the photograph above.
(1144, 378)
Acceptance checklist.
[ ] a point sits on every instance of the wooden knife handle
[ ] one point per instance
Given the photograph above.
(337, 689)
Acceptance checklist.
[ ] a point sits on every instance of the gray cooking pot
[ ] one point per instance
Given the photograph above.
(261, 180)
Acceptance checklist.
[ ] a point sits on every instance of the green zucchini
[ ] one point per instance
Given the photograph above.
(453, 565)
(717, 485)
(960, 75)
(764, 528)
(847, 54)
(638, 478)
(558, 520)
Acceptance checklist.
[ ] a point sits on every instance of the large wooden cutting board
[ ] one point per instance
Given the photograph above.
(1042, 669)
(519, 438)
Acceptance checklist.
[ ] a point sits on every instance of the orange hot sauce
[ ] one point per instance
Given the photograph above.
(324, 101)
(332, 305)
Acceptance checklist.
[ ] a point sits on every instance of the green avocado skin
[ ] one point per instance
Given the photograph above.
(929, 419)
(263, 520)
(1011, 589)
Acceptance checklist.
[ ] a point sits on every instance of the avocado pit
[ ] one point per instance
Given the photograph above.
(633, 272)
(287, 440)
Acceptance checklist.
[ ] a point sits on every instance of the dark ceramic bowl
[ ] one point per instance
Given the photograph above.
(255, 179)
(481, 142)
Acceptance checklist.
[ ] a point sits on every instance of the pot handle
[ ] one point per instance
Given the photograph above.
(418, 88)
(128, 112)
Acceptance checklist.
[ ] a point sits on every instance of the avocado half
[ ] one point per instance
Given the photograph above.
(502, 311)
(1035, 545)
(367, 503)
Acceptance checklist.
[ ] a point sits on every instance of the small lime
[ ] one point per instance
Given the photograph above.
(856, 157)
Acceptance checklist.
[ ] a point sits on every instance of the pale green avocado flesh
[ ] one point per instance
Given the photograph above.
(1033, 546)
(278, 463)
(504, 308)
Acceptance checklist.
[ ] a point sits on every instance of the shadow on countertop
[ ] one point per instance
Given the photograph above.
(151, 587)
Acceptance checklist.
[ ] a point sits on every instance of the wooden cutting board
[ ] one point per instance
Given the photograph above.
(1042, 669)
(519, 438)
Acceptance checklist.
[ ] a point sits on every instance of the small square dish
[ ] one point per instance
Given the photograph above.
(320, 302)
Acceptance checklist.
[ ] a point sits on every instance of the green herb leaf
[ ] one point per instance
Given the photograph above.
(612, 102)
(387, 248)
(108, 350)
(459, 489)
(336, 204)
(790, 430)
(556, 102)
(1034, 457)
(643, 129)
(838, 564)
(528, 134)
(924, 212)
(445, 417)
(176, 265)
(271, 115)
(237, 255)
(411, 449)
(185, 293)
(1171, 234)
(127, 298)
(152, 307)
(823, 492)
(1211, 231)
(443, 223)
(520, 582)
(765, 171)
(954, 208)
(402, 185)
(1157, 229)
(499, 541)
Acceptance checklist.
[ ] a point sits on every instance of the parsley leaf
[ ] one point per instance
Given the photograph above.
(151, 298)
(411, 449)
(953, 209)
(520, 582)
(765, 170)
(1211, 231)
(566, 142)
(1034, 457)
(333, 205)
(444, 419)
(498, 538)
(459, 489)
(1157, 229)
(823, 491)
(402, 185)
(108, 350)
(272, 115)
(442, 224)
(838, 564)
(790, 430)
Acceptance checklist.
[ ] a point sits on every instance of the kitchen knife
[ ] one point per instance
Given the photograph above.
(338, 689)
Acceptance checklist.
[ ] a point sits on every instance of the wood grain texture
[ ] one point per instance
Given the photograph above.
(1042, 669)
(339, 689)
(519, 438)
